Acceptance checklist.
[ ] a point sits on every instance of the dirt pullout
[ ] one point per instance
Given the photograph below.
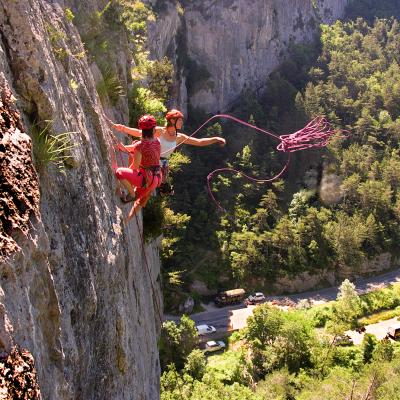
(19, 188)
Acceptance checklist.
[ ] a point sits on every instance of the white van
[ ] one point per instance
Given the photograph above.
(205, 329)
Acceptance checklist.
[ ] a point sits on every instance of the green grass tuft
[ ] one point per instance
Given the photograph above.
(50, 149)
(110, 88)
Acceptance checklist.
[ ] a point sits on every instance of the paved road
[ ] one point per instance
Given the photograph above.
(379, 330)
(235, 317)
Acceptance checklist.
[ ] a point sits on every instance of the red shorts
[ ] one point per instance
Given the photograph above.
(145, 180)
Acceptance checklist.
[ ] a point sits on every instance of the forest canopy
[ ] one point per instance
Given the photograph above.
(287, 228)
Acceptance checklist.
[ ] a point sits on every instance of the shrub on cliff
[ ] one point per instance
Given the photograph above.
(177, 342)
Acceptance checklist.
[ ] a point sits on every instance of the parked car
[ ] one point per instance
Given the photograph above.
(205, 329)
(256, 298)
(214, 345)
(343, 340)
(394, 332)
(233, 296)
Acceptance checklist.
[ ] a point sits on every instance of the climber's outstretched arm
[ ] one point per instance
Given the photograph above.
(185, 139)
(135, 132)
(126, 129)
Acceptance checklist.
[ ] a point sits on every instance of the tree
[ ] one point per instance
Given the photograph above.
(264, 326)
(196, 364)
(348, 306)
(299, 204)
(160, 75)
(293, 345)
(383, 351)
(368, 345)
(347, 235)
(177, 342)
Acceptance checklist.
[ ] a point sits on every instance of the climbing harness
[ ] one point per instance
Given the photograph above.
(165, 189)
(155, 172)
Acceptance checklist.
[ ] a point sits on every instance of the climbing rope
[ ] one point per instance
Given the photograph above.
(314, 135)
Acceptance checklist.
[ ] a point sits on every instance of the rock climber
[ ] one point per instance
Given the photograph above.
(170, 138)
(144, 172)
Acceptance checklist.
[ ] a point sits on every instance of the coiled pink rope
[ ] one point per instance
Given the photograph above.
(315, 134)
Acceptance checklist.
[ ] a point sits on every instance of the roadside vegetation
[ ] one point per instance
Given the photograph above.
(365, 309)
(286, 355)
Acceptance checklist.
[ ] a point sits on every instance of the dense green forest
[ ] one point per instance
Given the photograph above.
(351, 76)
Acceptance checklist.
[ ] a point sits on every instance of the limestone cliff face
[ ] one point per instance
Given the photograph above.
(75, 287)
(232, 45)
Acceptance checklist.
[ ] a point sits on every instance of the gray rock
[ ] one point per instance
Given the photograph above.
(235, 43)
(187, 306)
(78, 292)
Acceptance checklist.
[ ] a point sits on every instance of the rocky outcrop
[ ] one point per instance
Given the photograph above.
(223, 47)
(325, 278)
(76, 288)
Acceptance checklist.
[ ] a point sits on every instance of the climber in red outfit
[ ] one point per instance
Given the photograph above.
(143, 174)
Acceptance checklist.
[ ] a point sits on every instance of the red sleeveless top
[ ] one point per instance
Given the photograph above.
(150, 149)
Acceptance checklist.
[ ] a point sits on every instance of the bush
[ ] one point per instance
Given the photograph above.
(69, 15)
(320, 316)
(348, 357)
(143, 101)
(50, 149)
(196, 364)
(382, 299)
(160, 75)
(153, 218)
(368, 345)
(110, 87)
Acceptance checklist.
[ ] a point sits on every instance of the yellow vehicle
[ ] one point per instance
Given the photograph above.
(228, 297)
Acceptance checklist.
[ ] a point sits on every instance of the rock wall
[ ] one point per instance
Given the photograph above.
(325, 278)
(222, 47)
(75, 287)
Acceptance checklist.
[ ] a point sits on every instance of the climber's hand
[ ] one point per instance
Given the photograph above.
(221, 141)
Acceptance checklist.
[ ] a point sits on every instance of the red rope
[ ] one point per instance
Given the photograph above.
(315, 134)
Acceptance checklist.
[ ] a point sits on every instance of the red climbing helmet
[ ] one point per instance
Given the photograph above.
(172, 114)
(147, 122)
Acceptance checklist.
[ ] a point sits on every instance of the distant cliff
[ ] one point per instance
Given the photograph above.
(223, 47)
